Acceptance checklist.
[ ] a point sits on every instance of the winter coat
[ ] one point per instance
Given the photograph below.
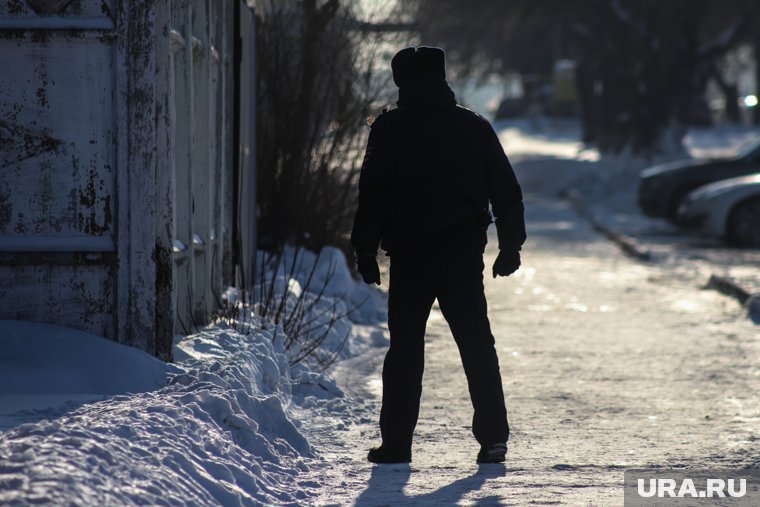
(431, 167)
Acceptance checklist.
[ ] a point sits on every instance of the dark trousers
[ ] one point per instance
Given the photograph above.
(453, 273)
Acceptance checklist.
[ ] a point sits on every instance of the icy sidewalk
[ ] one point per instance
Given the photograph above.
(608, 364)
(216, 429)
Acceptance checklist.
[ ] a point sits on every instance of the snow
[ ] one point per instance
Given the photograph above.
(93, 422)
(73, 362)
(550, 161)
(720, 141)
(45, 367)
(608, 364)
(553, 160)
(236, 422)
(331, 277)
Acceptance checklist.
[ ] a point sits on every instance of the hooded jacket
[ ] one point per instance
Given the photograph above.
(432, 167)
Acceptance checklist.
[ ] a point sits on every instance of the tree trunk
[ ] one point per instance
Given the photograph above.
(584, 80)
(731, 94)
(756, 47)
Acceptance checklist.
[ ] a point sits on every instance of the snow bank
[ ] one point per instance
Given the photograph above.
(216, 429)
(553, 160)
(216, 434)
(364, 304)
(720, 141)
(47, 359)
(45, 369)
(322, 284)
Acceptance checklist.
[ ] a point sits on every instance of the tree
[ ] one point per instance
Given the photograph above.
(315, 90)
(640, 63)
(487, 36)
(643, 64)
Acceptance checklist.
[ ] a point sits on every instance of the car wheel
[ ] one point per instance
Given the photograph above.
(743, 225)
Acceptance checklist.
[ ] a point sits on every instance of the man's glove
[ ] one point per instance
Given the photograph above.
(506, 263)
(368, 268)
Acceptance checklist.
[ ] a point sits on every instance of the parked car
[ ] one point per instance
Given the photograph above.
(729, 209)
(662, 187)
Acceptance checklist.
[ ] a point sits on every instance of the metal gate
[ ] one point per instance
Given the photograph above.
(121, 156)
(199, 65)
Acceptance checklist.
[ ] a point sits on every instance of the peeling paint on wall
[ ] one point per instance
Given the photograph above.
(57, 153)
(18, 143)
(88, 196)
(6, 206)
(90, 200)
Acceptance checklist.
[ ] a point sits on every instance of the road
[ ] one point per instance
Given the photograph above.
(607, 363)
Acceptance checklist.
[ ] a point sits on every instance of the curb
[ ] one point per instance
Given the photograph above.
(629, 245)
(732, 289)
(633, 248)
(728, 287)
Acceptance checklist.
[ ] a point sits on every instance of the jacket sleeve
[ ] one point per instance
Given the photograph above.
(505, 195)
(374, 190)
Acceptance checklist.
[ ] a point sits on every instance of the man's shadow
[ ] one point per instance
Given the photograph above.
(386, 487)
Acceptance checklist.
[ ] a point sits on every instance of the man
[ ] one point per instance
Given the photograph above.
(430, 170)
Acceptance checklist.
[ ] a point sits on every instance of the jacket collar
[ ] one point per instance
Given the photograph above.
(426, 92)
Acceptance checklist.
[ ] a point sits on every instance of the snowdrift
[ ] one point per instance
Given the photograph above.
(46, 359)
(215, 429)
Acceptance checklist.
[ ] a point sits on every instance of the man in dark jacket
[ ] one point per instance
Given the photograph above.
(430, 170)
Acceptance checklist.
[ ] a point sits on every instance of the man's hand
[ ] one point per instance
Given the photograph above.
(506, 263)
(368, 268)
